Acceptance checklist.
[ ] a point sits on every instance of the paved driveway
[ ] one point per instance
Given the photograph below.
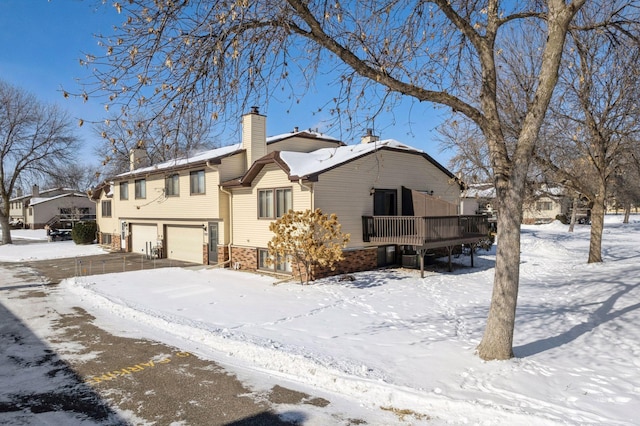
(105, 374)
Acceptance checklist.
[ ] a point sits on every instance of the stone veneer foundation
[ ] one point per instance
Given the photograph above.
(366, 259)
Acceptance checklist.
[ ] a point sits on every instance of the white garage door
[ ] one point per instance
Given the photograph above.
(185, 243)
(142, 237)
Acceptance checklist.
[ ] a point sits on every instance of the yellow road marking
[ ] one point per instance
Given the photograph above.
(136, 368)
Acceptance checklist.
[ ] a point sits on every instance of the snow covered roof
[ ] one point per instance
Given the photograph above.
(482, 190)
(309, 134)
(44, 192)
(212, 154)
(307, 165)
(40, 200)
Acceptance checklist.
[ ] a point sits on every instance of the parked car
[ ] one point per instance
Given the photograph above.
(60, 234)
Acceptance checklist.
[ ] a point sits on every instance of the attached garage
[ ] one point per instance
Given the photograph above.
(184, 243)
(143, 237)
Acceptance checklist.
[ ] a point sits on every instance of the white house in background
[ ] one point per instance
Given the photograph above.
(216, 207)
(60, 207)
(546, 204)
(543, 206)
(478, 198)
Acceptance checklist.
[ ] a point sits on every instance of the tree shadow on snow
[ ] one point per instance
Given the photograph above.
(368, 279)
(603, 313)
(52, 385)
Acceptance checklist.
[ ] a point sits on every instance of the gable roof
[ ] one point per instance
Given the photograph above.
(307, 134)
(480, 190)
(40, 200)
(308, 166)
(213, 156)
(43, 193)
(96, 193)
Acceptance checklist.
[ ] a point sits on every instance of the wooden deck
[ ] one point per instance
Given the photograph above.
(425, 232)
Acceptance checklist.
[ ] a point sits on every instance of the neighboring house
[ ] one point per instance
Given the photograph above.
(545, 205)
(217, 206)
(479, 198)
(59, 207)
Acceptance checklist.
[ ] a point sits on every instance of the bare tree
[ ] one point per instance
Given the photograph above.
(217, 56)
(34, 138)
(594, 118)
(74, 176)
(159, 136)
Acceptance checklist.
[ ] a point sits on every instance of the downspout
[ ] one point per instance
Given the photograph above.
(230, 194)
(215, 169)
(310, 188)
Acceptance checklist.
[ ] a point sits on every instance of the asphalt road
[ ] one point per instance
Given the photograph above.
(108, 374)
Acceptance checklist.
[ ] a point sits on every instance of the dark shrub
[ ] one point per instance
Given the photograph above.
(84, 232)
(562, 218)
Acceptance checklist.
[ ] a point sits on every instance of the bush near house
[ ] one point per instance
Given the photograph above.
(84, 232)
(310, 238)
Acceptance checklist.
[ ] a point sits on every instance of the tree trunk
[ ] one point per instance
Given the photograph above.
(627, 212)
(497, 342)
(6, 229)
(597, 225)
(574, 209)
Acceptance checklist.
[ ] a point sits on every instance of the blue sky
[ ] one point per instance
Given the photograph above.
(42, 41)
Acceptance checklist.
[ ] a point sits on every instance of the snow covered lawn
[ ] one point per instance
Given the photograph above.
(33, 250)
(390, 339)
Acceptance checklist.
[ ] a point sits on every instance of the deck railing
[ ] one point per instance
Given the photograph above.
(418, 231)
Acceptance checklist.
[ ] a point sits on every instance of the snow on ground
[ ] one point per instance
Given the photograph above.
(25, 247)
(390, 339)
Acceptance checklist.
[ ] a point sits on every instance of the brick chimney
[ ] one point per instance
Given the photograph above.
(369, 137)
(254, 135)
(35, 191)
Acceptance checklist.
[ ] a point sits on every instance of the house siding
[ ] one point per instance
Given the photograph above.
(248, 230)
(299, 144)
(44, 211)
(183, 206)
(346, 190)
(107, 225)
(532, 215)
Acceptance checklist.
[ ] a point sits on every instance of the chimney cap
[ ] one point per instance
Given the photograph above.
(254, 110)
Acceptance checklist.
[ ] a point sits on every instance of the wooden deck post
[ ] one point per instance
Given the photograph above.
(421, 253)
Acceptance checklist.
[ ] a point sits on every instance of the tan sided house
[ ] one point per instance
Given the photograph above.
(216, 207)
(57, 207)
(178, 209)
